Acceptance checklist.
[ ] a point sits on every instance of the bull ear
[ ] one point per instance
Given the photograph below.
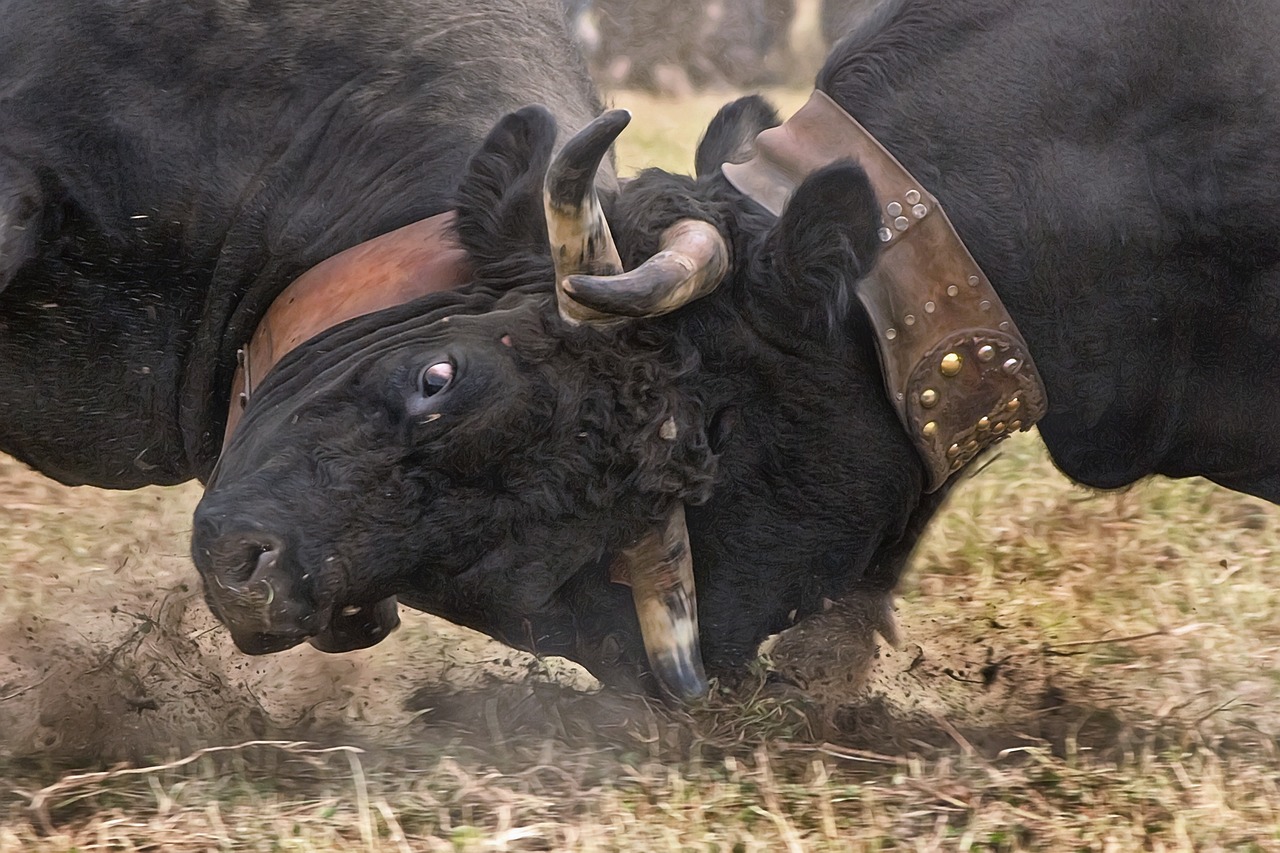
(499, 201)
(824, 242)
(21, 217)
(731, 136)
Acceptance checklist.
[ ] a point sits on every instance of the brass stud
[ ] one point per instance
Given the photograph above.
(971, 447)
(890, 333)
(984, 423)
(901, 223)
(957, 465)
(1004, 325)
(973, 281)
(885, 235)
(952, 290)
(930, 429)
(985, 305)
(910, 319)
(951, 363)
(929, 307)
(953, 451)
(1015, 426)
(1013, 404)
(998, 428)
(912, 196)
(928, 398)
(893, 208)
(986, 353)
(1011, 366)
(919, 211)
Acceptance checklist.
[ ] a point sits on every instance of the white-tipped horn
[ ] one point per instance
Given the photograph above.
(576, 227)
(660, 567)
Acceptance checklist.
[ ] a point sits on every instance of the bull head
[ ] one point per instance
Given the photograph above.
(499, 455)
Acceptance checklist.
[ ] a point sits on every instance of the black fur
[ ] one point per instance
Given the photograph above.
(547, 455)
(22, 217)
(1122, 205)
(731, 136)
(506, 172)
(180, 162)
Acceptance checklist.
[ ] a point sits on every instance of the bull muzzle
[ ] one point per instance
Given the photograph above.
(269, 607)
(356, 626)
(249, 588)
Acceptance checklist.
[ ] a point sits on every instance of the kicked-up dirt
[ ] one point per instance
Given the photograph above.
(108, 653)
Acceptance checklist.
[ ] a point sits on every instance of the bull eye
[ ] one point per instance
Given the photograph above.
(435, 378)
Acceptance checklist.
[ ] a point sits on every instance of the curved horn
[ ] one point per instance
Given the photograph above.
(576, 227)
(660, 566)
(692, 260)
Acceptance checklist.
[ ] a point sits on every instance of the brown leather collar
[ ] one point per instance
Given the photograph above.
(957, 370)
(421, 258)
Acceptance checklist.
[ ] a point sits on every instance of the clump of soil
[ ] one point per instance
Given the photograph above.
(117, 686)
(899, 683)
(110, 688)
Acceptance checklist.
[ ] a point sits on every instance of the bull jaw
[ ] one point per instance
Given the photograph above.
(257, 643)
(358, 627)
(659, 567)
(347, 629)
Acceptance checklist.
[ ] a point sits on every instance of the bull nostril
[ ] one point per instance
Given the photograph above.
(237, 558)
(268, 559)
(258, 562)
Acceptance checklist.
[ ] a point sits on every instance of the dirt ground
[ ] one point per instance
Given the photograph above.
(1097, 671)
(108, 653)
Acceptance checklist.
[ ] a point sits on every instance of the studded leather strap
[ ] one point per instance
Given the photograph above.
(956, 368)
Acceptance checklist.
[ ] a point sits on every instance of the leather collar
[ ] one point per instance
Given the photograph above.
(957, 370)
(420, 258)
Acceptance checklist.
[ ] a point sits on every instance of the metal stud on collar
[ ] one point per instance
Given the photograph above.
(895, 220)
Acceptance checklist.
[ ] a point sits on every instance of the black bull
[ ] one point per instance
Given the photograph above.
(166, 168)
(481, 457)
(491, 455)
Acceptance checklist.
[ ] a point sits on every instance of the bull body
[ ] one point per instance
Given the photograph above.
(166, 168)
(482, 458)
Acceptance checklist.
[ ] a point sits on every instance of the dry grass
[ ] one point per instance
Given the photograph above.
(1079, 671)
